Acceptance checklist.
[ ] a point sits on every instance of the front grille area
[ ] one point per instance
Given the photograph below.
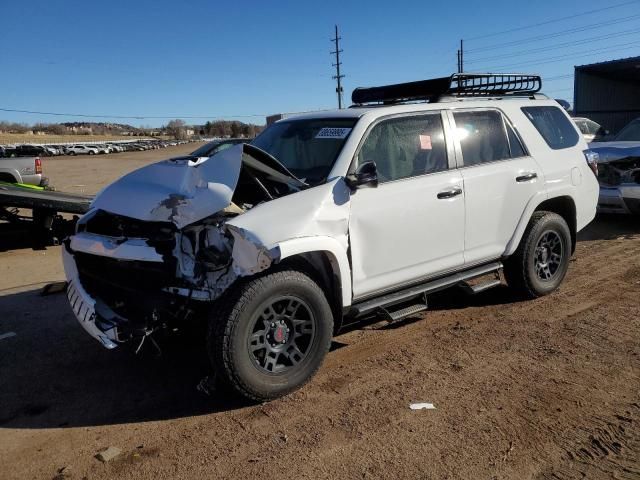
(104, 223)
(132, 289)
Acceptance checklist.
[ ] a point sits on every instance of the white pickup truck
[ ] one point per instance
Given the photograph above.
(26, 170)
(333, 216)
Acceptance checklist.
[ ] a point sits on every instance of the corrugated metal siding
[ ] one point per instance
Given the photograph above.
(606, 100)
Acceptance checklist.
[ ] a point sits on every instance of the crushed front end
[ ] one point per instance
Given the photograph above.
(130, 278)
(155, 249)
(620, 185)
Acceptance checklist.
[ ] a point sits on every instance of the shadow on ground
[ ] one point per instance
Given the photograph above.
(54, 375)
(609, 227)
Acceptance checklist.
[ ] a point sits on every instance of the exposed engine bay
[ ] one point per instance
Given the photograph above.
(617, 172)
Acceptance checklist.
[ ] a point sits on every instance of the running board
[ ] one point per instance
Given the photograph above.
(385, 301)
(404, 312)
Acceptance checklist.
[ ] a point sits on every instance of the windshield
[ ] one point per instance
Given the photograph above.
(308, 148)
(630, 133)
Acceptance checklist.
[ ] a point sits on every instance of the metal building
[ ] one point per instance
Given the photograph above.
(608, 92)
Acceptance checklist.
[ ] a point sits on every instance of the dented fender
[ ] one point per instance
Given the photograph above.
(337, 257)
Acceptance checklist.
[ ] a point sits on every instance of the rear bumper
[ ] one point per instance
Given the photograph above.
(621, 199)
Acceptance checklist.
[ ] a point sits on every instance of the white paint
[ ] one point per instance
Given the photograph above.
(400, 231)
(130, 249)
(7, 335)
(422, 406)
(179, 191)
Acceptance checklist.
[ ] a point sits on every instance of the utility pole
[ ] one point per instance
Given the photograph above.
(461, 56)
(338, 77)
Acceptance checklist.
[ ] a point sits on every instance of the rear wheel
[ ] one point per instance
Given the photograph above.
(541, 261)
(272, 334)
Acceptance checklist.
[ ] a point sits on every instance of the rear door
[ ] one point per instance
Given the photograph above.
(411, 225)
(499, 176)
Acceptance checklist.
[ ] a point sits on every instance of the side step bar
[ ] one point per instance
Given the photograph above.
(385, 301)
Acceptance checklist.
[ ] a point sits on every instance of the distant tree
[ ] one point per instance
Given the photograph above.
(236, 128)
(176, 128)
(56, 129)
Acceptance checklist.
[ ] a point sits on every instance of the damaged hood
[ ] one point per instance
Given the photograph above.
(611, 151)
(187, 189)
(180, 190)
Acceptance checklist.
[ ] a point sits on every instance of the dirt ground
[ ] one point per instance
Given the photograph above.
(543, 389)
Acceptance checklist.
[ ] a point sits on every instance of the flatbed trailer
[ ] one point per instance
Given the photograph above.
(46, 224)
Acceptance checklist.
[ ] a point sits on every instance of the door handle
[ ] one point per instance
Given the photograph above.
(526, 177)
(451, 192)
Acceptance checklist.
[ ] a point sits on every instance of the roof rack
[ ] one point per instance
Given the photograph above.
(458, 84)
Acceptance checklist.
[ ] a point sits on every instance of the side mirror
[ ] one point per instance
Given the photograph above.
(365, 175)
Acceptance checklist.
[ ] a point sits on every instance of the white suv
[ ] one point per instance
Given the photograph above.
(330, 217)
(81, 150)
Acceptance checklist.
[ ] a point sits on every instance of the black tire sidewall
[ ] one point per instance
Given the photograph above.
(262, 384)
(556, 224)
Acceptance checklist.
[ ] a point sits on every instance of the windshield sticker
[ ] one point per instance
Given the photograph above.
(425, 142)
(329, 132)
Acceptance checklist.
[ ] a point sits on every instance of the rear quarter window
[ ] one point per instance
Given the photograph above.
(554, 126)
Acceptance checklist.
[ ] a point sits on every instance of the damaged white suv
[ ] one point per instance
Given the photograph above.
(330, 217)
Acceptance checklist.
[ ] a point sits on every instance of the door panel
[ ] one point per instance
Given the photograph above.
(495, 201)
(401, 231)
(499, 180)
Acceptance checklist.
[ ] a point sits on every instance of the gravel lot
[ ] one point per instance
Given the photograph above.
(545, 389)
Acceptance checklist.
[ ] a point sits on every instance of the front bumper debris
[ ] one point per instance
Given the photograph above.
(83, 305)
(620, 199)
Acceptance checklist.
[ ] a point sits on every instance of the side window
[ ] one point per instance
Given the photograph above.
(406, 147)
(482, 136)
(515, 145)
(554, 126)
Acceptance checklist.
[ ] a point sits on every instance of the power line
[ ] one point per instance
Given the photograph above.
(557, 45)
(136, 117)
(555, 20)
(337, 77)
(558, 77)
(622, 46)
(561, 33)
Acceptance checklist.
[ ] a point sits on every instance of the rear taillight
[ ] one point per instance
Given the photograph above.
(592, 160)
(38, 166)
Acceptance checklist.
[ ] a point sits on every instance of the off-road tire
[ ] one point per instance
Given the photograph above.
(520, 268)
(231, 326)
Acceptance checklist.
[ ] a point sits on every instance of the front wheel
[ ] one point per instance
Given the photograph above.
(541, 261)
(271, 335)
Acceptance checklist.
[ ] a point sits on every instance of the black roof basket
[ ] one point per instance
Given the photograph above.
(458, 84)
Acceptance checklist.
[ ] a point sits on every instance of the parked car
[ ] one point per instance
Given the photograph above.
(331, 217)
(619, 171)
(590, 130)
(32, 151)
(216, 146)
(102, 149)
(20, 169)
(81, 150)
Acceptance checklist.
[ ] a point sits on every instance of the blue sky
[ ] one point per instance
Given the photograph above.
(238, 59)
